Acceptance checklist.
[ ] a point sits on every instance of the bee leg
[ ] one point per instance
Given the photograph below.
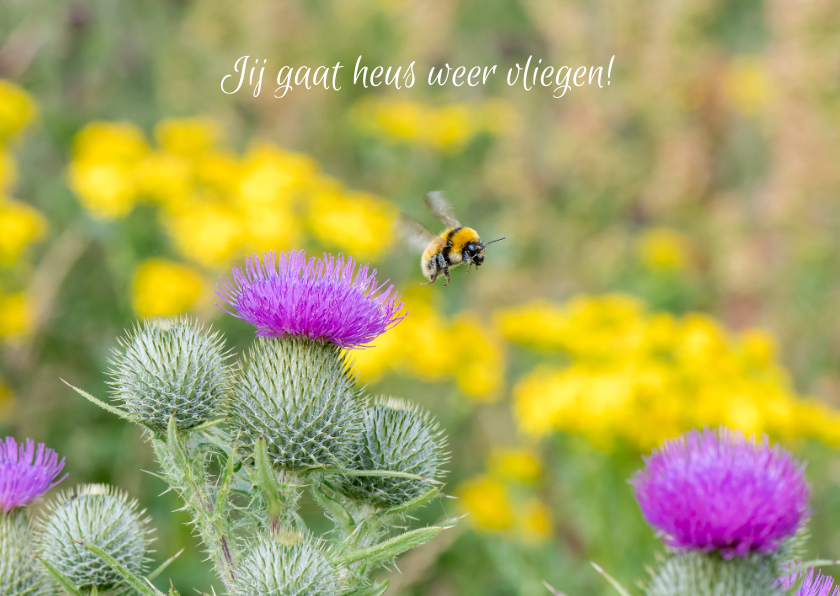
(446, 274)
(470, 267)
(428, 283)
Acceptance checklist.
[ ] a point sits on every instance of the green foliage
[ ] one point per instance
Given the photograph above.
(101, 516)
(20, 574)
(397, 437)
(171, 367)
(300, 396)
(287, 565)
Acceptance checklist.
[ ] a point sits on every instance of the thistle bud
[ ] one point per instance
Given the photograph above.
(171, 367)
(709, 574)
(397, 437)
(97, 515)
(20, 574)
(288, 564)
(299, 394)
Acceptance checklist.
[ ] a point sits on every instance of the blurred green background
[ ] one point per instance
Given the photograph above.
(672, 256)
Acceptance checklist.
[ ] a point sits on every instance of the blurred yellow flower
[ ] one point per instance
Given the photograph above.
(17, 110)
(429, 347)
(110, 142)
(187, 137)
(480, 368)
(745, 85)
(164, 178)
(446, 128)
(522, 465)
(106, 190)
(534, 522)
(664, 249)
(640, 378)
(358, 224)
(272, 176)
(20, 225)
(163, 288)
(488, 503)
(206, 232)
(17, 316)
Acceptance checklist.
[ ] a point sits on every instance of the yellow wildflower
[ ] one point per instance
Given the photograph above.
(206, 232)
(745, 85)
(451, 127)
(165, 178)
(642, 378)
(522, 465)
(17, 317)
(663, 249)
(110, 142)
(356, 223)
(219, 172)
(106, 190)
(187, 137)
(17, 110)
(446, 128)
(425, 346)
(534, 522)
(488, 503)
(480, 369)
(272, 176)
(163, 288)
(20, 225)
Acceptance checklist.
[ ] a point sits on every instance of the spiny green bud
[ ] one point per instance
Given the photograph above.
(20, 573)
(101, 516)
(299, 395)
(286, 565)
(397, 437)
(709, 574)
(171, 367)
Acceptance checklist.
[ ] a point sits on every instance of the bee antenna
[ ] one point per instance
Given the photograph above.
(496, 240)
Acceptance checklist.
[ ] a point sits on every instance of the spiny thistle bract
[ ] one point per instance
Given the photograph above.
(397, 437)
(20, 573)
(709, 574)
(286, 566)
(171, 367)
(299, 394)
(97, 515)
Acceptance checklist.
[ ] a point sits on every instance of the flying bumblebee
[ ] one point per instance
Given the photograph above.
(456, 245)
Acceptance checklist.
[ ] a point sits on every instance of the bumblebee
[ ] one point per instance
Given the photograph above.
(456, 245)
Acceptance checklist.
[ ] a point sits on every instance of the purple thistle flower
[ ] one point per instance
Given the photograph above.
(26, 472)
(321, 299)
(718, 491)
(821, 585)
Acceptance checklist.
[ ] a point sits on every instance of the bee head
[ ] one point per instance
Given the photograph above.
(475, 250)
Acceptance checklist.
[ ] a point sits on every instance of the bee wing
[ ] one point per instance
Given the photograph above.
(412, 232)
(442, 209)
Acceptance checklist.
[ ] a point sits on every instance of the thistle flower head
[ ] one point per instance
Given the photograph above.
(719, 491)
(27, 471)
(99, 515)
(812, 585)
(282, 567)
(171, 367)
(397, 437)
(321, 299)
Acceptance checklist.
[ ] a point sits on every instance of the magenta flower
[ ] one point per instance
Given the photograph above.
(321, 299)
(821, 585)
(26, 472)
(718, 491)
